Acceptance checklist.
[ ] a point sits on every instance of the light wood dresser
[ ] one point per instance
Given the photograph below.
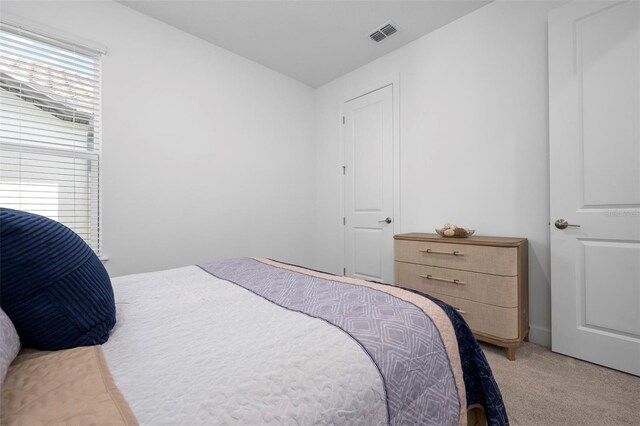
(483, 278)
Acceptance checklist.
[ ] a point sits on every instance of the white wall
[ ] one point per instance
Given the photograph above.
(206, 155)
(473, 137)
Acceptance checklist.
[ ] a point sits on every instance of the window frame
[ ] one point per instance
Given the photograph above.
(93, 153)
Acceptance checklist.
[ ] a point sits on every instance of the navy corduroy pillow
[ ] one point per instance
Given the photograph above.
(52, 285)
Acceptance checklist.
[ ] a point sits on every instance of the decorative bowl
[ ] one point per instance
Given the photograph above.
(467, 233)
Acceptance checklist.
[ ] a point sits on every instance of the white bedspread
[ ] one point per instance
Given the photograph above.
(189, 348)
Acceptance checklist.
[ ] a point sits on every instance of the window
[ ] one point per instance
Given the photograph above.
(50, 130)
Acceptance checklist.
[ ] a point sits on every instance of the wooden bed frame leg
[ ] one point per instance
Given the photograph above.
(476, 416)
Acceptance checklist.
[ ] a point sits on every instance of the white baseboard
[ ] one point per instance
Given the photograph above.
(540, 335)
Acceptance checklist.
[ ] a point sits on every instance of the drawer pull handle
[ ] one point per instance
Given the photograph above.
(458, 310)
(431, 251)
(446, 280)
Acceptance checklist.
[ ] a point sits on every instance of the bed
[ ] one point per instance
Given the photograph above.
(258, 342)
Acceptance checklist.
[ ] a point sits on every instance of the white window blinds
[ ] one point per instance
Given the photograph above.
(50, 130)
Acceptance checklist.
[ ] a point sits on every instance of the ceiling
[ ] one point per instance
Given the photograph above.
(311, 41)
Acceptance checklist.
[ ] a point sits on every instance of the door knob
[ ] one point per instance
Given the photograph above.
(563, 224)
(387, 220)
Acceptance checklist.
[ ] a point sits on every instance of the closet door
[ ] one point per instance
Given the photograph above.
(368, 186)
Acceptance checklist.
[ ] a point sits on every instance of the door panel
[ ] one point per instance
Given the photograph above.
(368, 252)
(612, 299)
(368, 140)
(594, 119)
(368, 186)
(607, 68)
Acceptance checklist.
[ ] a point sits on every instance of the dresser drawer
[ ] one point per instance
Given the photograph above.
(487, 319)
(492, 289)
(488, 260)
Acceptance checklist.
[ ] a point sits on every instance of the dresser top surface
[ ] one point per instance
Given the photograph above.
(473, 240)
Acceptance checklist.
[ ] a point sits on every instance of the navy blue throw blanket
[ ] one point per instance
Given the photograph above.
(478, 379)
(52, 285)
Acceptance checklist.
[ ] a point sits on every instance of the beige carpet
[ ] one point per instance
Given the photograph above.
(544, 388)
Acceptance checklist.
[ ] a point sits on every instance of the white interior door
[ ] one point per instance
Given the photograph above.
(368, 186)
(594, 95)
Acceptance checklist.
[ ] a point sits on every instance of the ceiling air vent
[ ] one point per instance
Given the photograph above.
(383, 32)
